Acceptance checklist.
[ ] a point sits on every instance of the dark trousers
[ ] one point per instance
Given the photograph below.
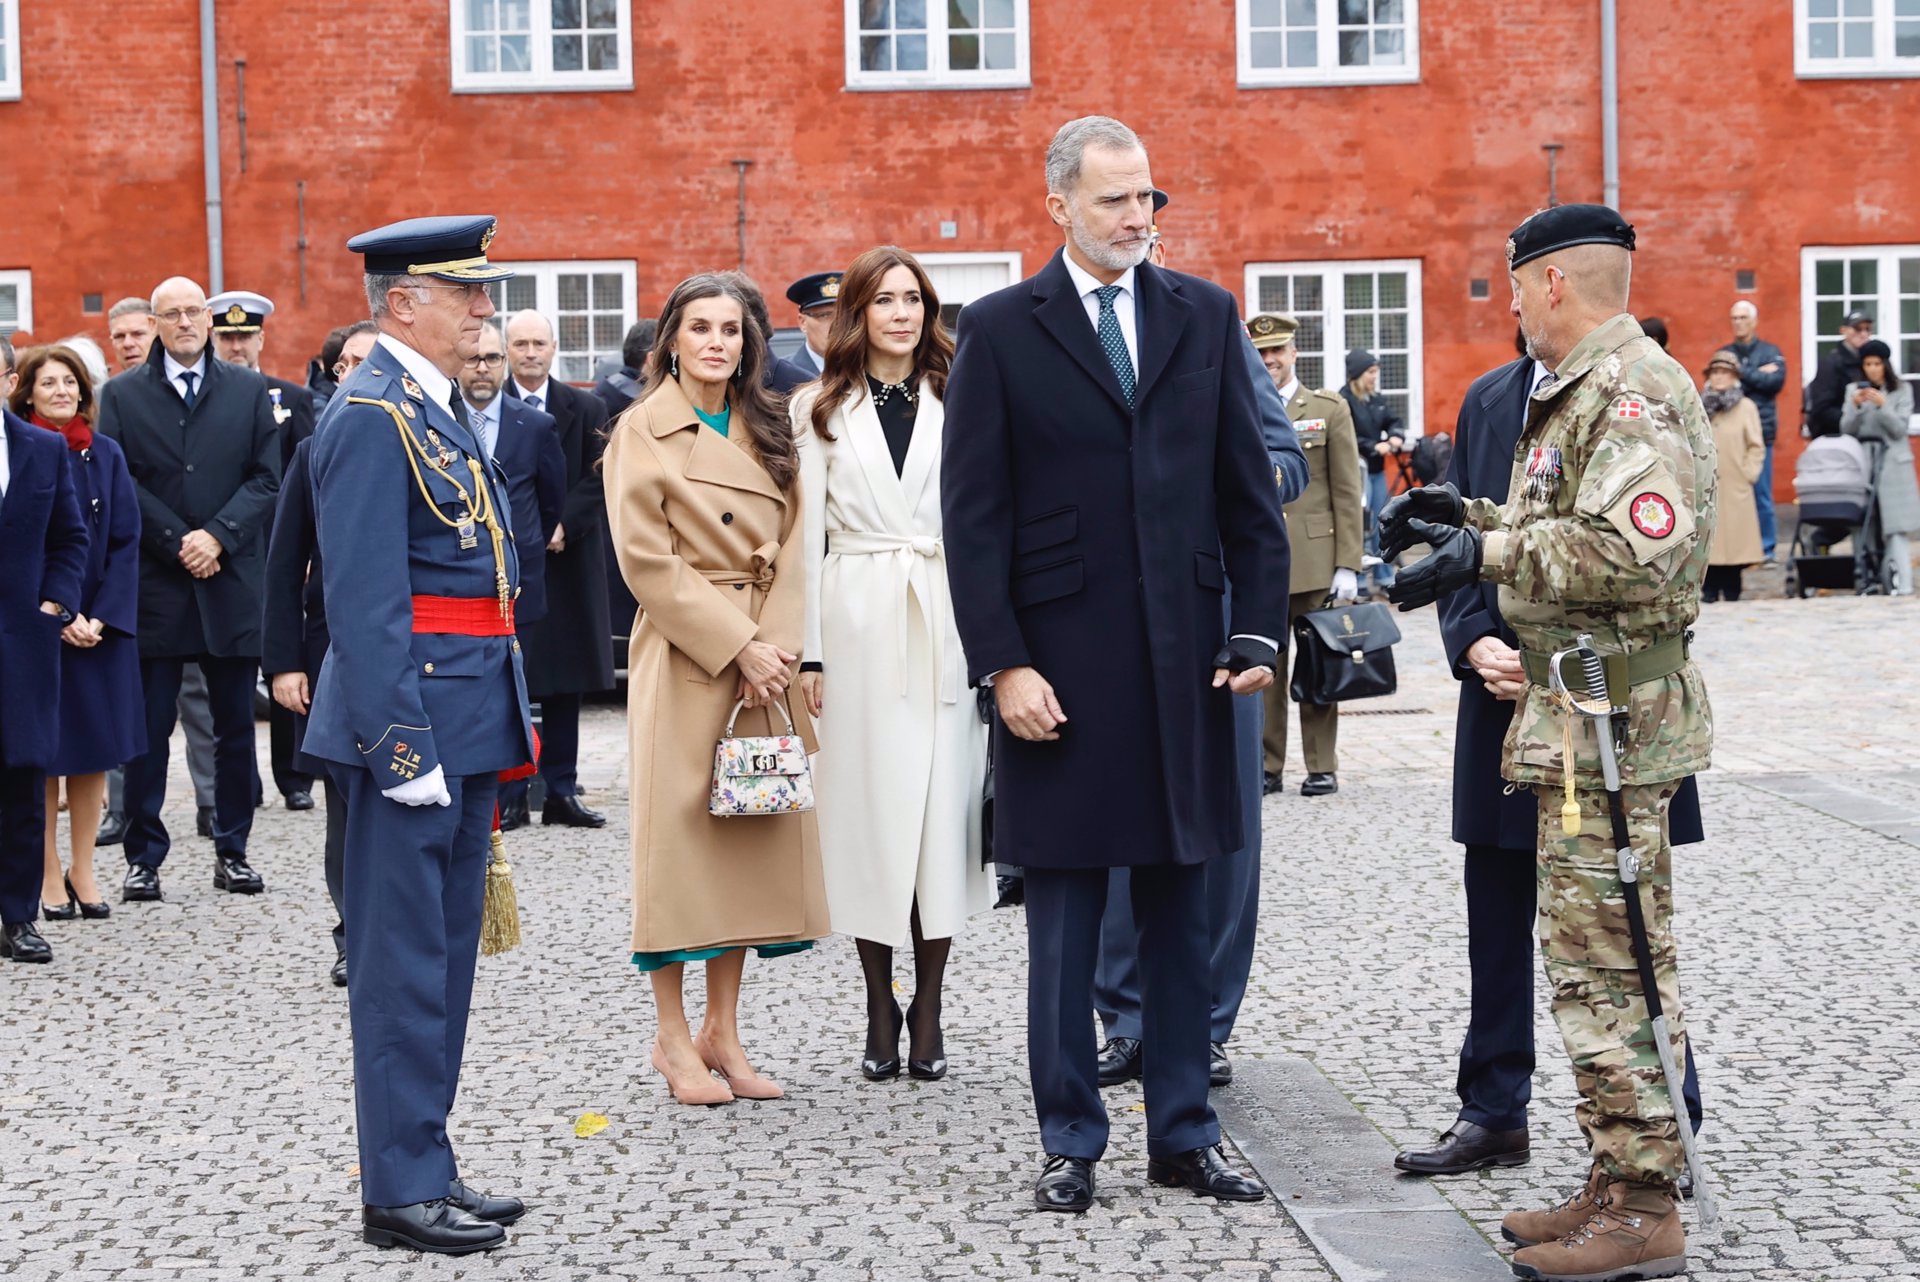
(415, 878)
(1233, 909)
(560, 744)
(335, 860)
(23, 817)
(1064, 908)
(1495, 1080)
(280, 735)
(230, 697)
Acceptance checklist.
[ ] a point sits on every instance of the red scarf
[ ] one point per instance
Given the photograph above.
(79, 435)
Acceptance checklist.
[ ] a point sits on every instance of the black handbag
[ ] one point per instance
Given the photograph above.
(1344, 652)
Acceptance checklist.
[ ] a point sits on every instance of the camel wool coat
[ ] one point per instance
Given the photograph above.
(1741, 453)
(899, 787)
(710, 548)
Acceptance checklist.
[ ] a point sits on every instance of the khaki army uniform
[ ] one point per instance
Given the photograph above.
(1606, 530)
(1324, 532)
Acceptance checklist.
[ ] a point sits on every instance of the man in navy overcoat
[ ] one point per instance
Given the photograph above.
(1110, 478)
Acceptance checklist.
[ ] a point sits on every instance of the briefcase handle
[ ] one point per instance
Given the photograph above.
(738, 704)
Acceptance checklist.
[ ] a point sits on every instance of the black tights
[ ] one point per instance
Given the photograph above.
(923, 1014)
(1722, 583)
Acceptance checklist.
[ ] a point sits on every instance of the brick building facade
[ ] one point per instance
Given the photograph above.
(1357, 161)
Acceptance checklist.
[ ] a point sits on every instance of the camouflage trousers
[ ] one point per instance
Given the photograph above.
(1626, 1108)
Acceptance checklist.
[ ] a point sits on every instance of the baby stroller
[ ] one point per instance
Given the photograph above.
(1833, 484)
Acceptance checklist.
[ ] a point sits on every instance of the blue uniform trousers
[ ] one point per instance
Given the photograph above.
(1233, 908)
(415, 880)
(235, 777)
(1495, 1079)
(1064, 909)
(23, 816)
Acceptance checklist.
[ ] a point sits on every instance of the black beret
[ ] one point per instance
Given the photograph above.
(1564, 226)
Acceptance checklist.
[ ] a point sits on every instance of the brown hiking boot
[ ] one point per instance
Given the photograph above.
(1633, 1233)
(1530, 1228)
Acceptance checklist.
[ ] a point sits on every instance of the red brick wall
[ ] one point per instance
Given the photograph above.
(1728, 161)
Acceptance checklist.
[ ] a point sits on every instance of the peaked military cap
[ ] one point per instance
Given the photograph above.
(239, 311)
(1564, 226)
(1271, 331)
(816, 290)
(1160, 199)
(450, 247)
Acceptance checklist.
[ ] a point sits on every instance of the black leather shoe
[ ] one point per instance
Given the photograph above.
(1466, 1147)
(113, 829)
(1270, 783)
(1119, 1060)
(68, 911)
(92, 912)
(203, 821)
(883, 1068)
(1319, 785)
(1219, 1067)
(572, 812)
(142, 885)
(24, 944)
(1010, 892)
(231, 873)
(438, 1226)
(1065, 1184)
(513, 814)
(500, 1210)
(1205, 1171)
(299, 799)
(339, 972)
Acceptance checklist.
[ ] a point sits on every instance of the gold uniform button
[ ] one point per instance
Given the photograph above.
(428, 669)
(516, 647)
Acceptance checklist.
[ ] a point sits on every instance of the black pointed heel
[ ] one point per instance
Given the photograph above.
(884, 1070)
(927, 1070)
(92, 912)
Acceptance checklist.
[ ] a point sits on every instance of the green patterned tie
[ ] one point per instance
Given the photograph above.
(1113, 343)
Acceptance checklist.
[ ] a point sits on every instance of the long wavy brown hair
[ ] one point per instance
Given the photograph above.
(846, 368)
(756, 407)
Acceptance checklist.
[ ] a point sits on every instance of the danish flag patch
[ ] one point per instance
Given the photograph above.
(1629, 409)
(1651, 514)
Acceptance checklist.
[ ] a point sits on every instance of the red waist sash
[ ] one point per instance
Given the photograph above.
(462, 616)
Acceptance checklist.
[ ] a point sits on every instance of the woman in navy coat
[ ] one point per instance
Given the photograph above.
(102, 719)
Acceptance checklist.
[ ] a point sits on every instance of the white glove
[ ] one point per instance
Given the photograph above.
(430, 789)
(1346, 585)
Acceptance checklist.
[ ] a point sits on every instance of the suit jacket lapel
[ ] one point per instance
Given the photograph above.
(1058, 308)
(712, 458)
(869, 443)
(1159, 317)
(924, 454)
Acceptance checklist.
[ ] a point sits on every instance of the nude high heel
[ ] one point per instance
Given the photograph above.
(754, 1087)
(705, 1091)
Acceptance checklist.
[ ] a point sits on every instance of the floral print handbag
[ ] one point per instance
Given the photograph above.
(760, 774)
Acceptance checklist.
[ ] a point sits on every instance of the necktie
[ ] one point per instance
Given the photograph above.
(533, 402)
(189, 378)
(458, 408)
(1113, 343)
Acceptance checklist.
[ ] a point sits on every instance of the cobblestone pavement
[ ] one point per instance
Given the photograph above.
(176, 1101)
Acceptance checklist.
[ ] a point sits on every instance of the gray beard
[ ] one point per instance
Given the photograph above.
(1109, 257)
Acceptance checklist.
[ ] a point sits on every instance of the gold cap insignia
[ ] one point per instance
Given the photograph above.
(830, 288)
(1264, 325)
(486, 237)
(236, 315)
(1512, 249)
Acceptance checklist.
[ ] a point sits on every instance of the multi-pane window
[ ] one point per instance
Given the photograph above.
(958, 279)
(936, 44)
(1346, 306)
(589, 304)
(16, 302)
(1318, 42)
(1856, 37)
(9, 49)
(541, 44)
(1881, 280)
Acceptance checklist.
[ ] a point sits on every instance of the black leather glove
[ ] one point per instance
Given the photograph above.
(1435, 504)
(1241, 653)
(1454, 563)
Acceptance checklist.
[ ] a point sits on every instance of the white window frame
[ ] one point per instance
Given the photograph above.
(10, 61)
(23, 281)
(1328, 71)
(541, 78)
(1333, 312)
(1886, 299)
(546, 297)
(938, 75)
(1882, 64)
(1010, 259)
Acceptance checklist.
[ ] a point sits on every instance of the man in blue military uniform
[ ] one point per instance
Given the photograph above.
(420, 704)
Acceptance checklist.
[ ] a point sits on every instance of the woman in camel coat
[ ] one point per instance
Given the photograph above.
(1742, 452)
(703, 502)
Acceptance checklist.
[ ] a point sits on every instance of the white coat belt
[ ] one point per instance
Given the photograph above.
(914, 559)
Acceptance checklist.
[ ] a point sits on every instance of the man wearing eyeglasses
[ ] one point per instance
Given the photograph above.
(204, 450)
(522, 441)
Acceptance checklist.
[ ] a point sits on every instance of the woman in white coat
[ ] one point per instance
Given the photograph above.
(898, 788)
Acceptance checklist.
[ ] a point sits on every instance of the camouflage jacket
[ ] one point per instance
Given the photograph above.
(1606, 530)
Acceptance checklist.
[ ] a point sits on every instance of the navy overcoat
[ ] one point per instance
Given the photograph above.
(293, 629)
(43, 545)
(1094, 543)
(528, 450)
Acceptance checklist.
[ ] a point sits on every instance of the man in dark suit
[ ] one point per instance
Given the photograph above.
(568, 653)
(204, 450)
(1498, 828)
(1111, 479)
(522, 441)
(622, 387)
(44, 544)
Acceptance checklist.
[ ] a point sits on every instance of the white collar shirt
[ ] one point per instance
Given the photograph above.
(1291, 390)
(437, 387)
(540, 398)
(175, 369)
(1538, 377)
(1123, 304)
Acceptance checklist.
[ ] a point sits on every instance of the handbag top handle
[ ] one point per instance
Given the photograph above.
(741, 703)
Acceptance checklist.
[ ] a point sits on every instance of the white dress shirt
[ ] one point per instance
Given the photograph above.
(437, 386)
(175, 369)
(1291, 390)
(541, 397)
(6, 466)
(1123, 305)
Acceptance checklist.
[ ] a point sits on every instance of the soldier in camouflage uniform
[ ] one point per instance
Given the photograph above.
(1605, 531)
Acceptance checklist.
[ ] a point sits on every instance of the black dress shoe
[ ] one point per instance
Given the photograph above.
(500, 1210)
(1270, 783)
(231, 873)
(883, 1068)
(1205, 1171)
(1010, 892)
(513, 814)
(113, 829)
(299, 799)
(1219, 1067)
(1319, 785)
(438, 1226)
(203, 821)
(1119, 1060)
(572, 812)
(1466, 1147)
(142, 885)
(339, 972)
(23, 943)
(1065, 1184)
(60, 912)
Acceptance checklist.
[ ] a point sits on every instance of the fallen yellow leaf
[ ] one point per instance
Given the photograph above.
(589, 1125)
(1139, 1108)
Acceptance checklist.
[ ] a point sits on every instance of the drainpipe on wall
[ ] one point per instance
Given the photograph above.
(210, 141)
(1609, 105)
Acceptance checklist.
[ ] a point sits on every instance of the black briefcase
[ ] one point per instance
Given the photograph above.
(1344, 652)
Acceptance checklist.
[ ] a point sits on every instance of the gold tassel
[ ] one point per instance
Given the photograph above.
(500, 911)
(1569, 809)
